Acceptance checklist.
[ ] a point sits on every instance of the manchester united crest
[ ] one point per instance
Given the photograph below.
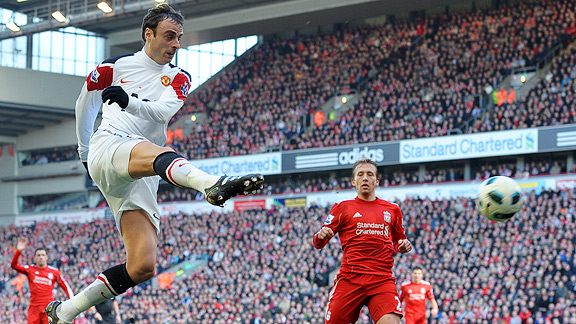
(165, 80)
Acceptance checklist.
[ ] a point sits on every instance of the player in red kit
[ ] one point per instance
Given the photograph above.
(371, 231)
(414, 294)
(41, 279)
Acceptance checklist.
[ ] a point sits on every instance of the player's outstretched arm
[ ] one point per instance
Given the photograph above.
(160, 110)
(20, 246)
(322, 237)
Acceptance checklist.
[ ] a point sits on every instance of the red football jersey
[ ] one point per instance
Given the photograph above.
(41, 281)
(369, 232)
(415, 296)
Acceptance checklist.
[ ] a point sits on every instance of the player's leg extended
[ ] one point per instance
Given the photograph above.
(140, 240)
(147, 159)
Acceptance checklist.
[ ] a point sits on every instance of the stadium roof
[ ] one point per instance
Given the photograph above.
(208, 20)
(19, 119)
(126, 14)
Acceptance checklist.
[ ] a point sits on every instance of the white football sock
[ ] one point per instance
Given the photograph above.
(97, 292)
(182, 173)
(200, 180)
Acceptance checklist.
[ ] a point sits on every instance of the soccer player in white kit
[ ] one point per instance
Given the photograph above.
(126, 157)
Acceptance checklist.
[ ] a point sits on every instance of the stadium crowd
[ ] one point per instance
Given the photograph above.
(263, 269)
(415, 79)
(427, 78)
(428, 75)
(550, 102)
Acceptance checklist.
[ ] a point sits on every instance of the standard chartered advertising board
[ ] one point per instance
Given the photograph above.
(441, 148)
(268, 163)
(469, 146)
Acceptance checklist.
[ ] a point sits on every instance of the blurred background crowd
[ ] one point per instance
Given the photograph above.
(262, 268)
(419, 78)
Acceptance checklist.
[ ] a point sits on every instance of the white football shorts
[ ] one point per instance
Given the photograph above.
(108, 160)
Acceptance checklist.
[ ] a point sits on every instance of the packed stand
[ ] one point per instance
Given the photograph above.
(551, 102)
(263, 100)
(481, 271)
(436, 89)
(429, 75)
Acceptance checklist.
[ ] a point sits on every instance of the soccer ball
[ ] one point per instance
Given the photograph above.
(499, 198)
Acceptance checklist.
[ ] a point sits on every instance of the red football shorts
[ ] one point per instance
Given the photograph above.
(415, 318)
(36, 315)
(352, 291)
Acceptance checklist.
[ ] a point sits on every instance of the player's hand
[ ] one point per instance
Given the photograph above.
(85, 164)
(22, 242)
(434, 312)
(325, 233)
(118, 319)
(404, 246)
(115, 94)
(97, 316)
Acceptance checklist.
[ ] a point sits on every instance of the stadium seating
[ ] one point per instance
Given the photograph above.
(430, 74)
(418, 79)
(481, 271)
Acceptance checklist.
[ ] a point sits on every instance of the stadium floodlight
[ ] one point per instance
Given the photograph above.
(58, 16)
(104, 6)
(12, 26)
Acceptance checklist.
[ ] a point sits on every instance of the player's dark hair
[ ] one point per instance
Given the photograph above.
(41, 249)
(158, 14)
(417, 268)
(361, 161)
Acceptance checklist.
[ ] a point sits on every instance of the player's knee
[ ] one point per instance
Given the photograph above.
(144, 274)
(142, 271)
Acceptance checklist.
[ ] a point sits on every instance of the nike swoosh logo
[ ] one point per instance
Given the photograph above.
(122, 81)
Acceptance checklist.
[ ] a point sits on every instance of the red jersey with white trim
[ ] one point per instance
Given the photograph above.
(41, 281)
(369, 232)
(156, 92)
(415, 295)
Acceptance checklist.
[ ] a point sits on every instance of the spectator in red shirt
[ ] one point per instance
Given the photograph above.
(41, 279)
